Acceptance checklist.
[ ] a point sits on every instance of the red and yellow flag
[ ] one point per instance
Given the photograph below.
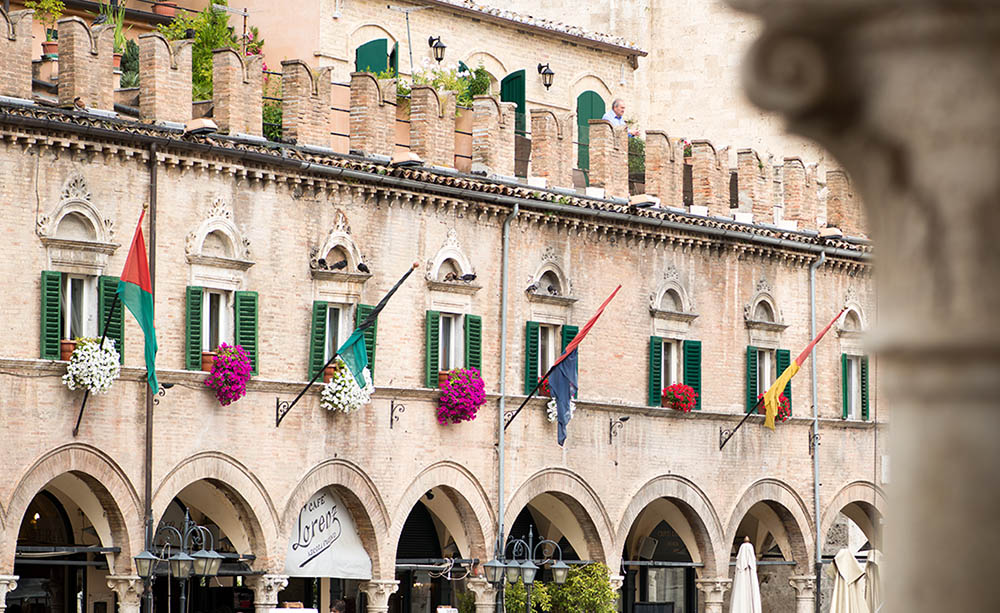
(773, 392)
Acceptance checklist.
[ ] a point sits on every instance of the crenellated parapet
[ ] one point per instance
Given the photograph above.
(609, 158)
(552, 148)
(237, 92)
(15, 53)
(493, 135)
(432, 125)
(664, 167)
(373, 114)
(305, 103)
(165, 89)
(86, 72)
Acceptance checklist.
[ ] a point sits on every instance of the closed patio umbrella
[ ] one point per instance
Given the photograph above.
(848, 589)
(873, 582)
(746, 590)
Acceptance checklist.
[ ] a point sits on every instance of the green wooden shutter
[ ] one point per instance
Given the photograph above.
(568, 334)
(317, 338)
(193, 318)
(474, 342)
(394, 58)
(692, 369)
(845, 375)
(512, 89)
(655, 370)
(371, 333)
(864, 388)
(372, 56)
(51, 315)
(107, 288)
(751, 379)
(589, 105)
(246, 333)
(782, 359)
(530, 356)
(432, 348)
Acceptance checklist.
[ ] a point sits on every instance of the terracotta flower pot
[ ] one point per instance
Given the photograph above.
(50, 47)
(116, 60)
(66, 349)
(442, 377)
(208, 360)
(167, 9)
(328, 373)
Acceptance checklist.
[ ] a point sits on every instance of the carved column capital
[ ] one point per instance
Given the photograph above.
(378, 593)
(486, 594)
(129, 589)
(805, 592)
(617, 581)
(714, 589)
(8, 583)
(265, 590)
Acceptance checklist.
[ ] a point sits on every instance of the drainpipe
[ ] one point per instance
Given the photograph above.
(814, 440)
(147, 502)
(503, 386)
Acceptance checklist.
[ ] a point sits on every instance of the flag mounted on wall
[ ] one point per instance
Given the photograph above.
(135, 289)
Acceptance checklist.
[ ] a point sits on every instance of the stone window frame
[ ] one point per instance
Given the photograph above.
(551, 265)
(74, 256)
(452, 250)
(669, 323)
(224, 273)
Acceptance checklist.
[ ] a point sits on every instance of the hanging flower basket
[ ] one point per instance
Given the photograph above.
(92, 366)
(680, 397)
(342, 393)
(461, 396)
(784, 408)
(552, 410)
(231, 370)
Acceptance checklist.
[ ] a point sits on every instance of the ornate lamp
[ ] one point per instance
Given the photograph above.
(547, 75)
(437, 47)
(144, 563)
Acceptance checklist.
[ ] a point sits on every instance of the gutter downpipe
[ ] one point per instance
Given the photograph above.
(503, 391)
(147, 498)
(814, 442)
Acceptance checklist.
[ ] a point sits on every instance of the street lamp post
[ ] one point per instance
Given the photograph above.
(182, 564)
(524, 564)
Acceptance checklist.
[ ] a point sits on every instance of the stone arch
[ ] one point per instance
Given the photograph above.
(475, 511)
(589, 81)
(109, 489)
(219, 222)
(256, 518)
(785, 512)
(450, 250)
(763, 300)
(359, 494)
(340, 239)
(670, 285)
(550, 269)
(492, 64)
(864, 503)
(696, 508)
(75, 200)
(582, 501)
(364, 33)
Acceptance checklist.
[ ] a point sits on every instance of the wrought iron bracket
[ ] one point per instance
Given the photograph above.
(615, 427)
(281, 408)
(724, 435)
(162, 392)
(395, 409)
(508, 416)
(814, 443)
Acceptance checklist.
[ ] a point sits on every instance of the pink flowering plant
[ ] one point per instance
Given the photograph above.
(680, 397)
(461, 396)
(230, 374)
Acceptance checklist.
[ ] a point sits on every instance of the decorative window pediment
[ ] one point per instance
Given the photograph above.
(450, 270)
(77, 236)
(338, 259)
(671, 300)
(218, 251)
(762, 312)
(550, 284)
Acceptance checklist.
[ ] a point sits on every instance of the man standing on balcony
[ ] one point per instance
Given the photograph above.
(617, 117)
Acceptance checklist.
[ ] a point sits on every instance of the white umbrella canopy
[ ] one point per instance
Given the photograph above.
(873, 581)
(746, 589)
(848, 589)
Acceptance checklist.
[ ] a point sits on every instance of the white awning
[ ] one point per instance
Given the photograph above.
(325, 541)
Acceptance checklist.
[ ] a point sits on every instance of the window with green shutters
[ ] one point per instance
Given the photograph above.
(51, 319)
(530, 356)
(245, 330)
(372, 56)
(751, 379)
(692, 369)
(864, 388)
(107, 288)
(782, 359)
(432, 348)
(655, 370)
(854, 386)
(474, 342)
(371, 333)
(194, 318)
(589, 105)
(512, 89)
(568, 333)
(317, 338)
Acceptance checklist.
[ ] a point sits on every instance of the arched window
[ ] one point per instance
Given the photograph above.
(763, 312)
(75, 226)
(589, 105)
(852, 322)
(217, 244)
(671, 301)
(549, 284)
(449, 270)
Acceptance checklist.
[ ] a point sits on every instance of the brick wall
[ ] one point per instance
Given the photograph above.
(373, 114)
(165, 86)
(432, 125)
(664, 168)
(710, 178)
(553, 153)
(237, 92)
(609, 158)
(15, 54)
(305, 104)
(86, 73)
(493, 136)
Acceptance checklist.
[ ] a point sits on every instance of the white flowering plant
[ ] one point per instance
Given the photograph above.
(552, 412)
(93, 366)
(342, 393)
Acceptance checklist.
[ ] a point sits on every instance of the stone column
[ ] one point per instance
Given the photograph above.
(713, 592)
(486, 594)
(265, 591)
(805, 592)
(378, 593)
(129, 589)
(905, 95)
(8, 583)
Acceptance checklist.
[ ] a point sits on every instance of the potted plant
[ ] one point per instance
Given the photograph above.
(462, 393)
(784, 408)
(442, 377)
(115, 15)
(167, 9)
(543, 388)
(680, 397)
(48, 12)
(342, 392)
(93, 366)
(230, 372)
(66, 348)
(208, 360)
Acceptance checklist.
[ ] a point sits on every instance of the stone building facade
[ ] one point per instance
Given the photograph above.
(721, 291)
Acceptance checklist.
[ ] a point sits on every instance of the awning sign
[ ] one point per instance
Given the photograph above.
(325, 541)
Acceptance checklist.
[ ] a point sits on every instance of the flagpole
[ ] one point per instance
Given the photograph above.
(86, 393)
(725, 435)
(508, 420)
(282, 407)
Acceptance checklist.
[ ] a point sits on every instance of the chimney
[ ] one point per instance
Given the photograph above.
(493, 136)
(15, 54)
(552, 149)
(664, 169)
(432, 125)
(86, 72)
(609, 158)
(237, 92)
(373, 118)
(305, 103)
(165, 86)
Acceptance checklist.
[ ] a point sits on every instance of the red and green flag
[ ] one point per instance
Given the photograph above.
(136, 292)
